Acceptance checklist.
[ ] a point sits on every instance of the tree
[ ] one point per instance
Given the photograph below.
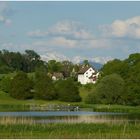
(21, 86)
(67, 90)
(33, 60)
(110, 90)
(114, 66)
(5, 69)
(44, 88)
(5, 84)
(67, 67)
(129, 69)
(32, 55)
(132, 85)
(86, 63)
(54, 66)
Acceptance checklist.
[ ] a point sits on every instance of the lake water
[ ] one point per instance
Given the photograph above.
(72, 117)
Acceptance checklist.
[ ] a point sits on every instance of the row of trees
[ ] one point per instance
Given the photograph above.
(119, 83)
(30, 60)
(41, 87)
(15, 61)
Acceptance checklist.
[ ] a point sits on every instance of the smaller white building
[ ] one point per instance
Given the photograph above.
(57, 76)
(87, 75)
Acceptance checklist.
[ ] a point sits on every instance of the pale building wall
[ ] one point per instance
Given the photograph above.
(84, 78)
(81, 78)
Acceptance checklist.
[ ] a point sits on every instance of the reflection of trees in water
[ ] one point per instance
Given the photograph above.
(86, 119)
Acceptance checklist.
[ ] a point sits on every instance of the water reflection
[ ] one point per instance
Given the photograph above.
(66, 117)
(87, 119)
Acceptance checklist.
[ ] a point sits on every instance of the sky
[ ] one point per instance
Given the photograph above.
(97, 31)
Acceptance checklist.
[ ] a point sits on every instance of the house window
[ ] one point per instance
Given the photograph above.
(86, 72)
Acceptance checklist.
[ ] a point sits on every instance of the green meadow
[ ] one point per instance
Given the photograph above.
(8, 103)
(74, 131)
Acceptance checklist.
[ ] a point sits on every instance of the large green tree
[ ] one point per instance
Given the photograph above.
(54, 66)
(67, 90)
(5, 83)
(44, 88)
(110, 90)
(21, 86)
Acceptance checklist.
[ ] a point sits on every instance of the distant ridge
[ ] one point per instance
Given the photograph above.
(96, 65)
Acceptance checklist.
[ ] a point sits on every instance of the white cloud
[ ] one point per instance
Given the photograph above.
(3, 18)
(69, 43)
(68, 29)
(68, 34)
(56, 42)
(62, 42)
(76, 59)
(47, 54)
(71, 29)
(53, 56)
(101, 60)
(37, 33)
(123, 28)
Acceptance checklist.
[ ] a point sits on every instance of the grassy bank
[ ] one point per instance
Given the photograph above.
(81, 130)
(8, 103)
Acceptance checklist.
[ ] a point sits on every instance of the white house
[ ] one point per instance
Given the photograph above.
(87, 74)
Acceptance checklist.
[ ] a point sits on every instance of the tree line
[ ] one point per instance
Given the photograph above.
(40, 85)
(30, 60)
(119, 82)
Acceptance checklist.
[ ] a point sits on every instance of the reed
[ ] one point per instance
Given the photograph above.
(24, 128)
(7, 120)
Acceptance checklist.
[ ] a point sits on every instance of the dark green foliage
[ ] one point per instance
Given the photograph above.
(44, 88)
(67, 90)
(54, 66)
(92, 97)
(86, 63)
(21, 86)
(114, 66)
(109, 90)
(15, 61)
(133, 85)
(5, 84)
(5, 69)
(129, 69)
(67, 68)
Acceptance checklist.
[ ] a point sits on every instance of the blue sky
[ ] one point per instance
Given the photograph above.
(98, 31)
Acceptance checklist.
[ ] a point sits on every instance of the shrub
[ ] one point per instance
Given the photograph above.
(67, 90)
(21, 86)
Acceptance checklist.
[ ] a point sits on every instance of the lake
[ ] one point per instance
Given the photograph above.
(72, 117)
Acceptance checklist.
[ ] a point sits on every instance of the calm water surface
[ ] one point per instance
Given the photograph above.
(73, 117)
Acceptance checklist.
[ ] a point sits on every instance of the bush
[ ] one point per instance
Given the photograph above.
(44, 88)
(110, 90)
(5, 69)
(21, 86)
(67, 90)
(5, 84)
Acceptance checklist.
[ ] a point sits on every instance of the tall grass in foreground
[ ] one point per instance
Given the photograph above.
(24, 128)
(16, 120)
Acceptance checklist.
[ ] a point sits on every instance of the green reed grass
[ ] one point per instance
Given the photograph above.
(75, 130)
